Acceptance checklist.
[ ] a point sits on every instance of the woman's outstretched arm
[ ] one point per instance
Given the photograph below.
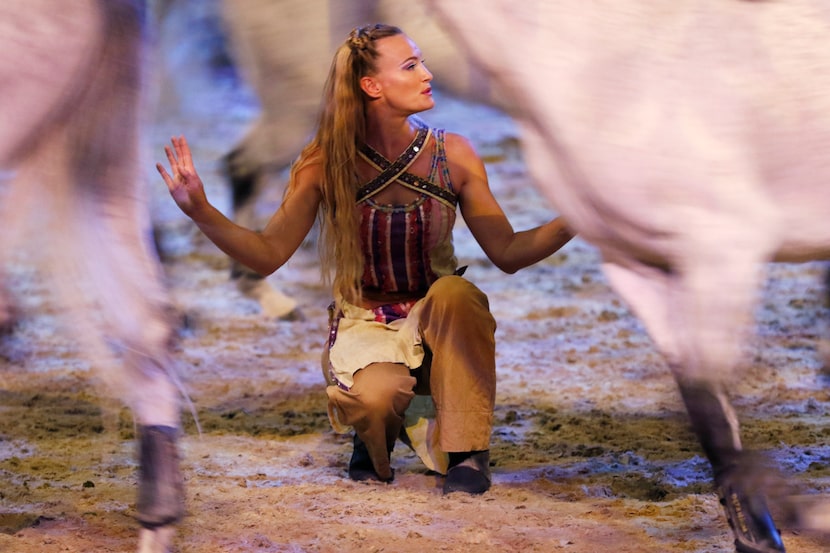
(264, 251)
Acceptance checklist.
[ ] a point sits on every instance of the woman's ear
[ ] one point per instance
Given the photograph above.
(370, 86)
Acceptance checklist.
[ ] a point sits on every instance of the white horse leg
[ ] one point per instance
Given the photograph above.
(121, 276)
(714, 306)
(698, 319)
(122, 272)
(155, 403)
(126, 278)
(654, 296)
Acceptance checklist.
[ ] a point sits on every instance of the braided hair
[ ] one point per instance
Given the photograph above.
(341, 129)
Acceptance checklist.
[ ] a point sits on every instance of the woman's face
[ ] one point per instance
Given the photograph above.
(402, 78)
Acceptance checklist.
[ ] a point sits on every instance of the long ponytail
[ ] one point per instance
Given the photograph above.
(341, 129)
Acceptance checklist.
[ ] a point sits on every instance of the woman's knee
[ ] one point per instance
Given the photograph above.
(451, 291)
(383, 390)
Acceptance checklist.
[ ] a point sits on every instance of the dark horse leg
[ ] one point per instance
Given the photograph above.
(736, 474)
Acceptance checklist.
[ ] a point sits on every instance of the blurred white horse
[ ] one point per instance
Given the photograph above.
(688, 140)
(283, 49)
(73, 202)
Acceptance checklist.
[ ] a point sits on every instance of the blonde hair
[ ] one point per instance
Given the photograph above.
(341, 129)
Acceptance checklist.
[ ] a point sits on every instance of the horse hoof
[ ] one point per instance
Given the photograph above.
(161, 486)
(748, 516)
(156, 540)
(274, 304)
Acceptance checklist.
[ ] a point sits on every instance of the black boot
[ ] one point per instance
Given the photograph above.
(360, 465)
(469, 472)
(160, 485)
(739, 478)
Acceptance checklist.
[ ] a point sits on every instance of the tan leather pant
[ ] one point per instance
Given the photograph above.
(459, 372)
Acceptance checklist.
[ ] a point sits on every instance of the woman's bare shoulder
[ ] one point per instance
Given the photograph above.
(308, 171)
(458, 144)
(464, 162)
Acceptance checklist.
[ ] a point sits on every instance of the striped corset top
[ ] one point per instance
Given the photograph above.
(408, 247)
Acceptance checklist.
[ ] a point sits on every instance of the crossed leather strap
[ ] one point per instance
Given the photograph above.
(396, 171)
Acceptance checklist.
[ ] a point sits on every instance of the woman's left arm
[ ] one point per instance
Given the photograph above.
(507, 249)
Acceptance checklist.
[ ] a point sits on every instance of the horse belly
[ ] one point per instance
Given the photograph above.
(651, 126)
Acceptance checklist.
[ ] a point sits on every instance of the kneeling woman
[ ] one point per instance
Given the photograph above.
(404, 321)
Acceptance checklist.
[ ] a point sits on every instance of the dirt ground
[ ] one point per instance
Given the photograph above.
(591, 451)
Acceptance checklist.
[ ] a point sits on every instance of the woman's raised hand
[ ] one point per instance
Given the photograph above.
(184, 184)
